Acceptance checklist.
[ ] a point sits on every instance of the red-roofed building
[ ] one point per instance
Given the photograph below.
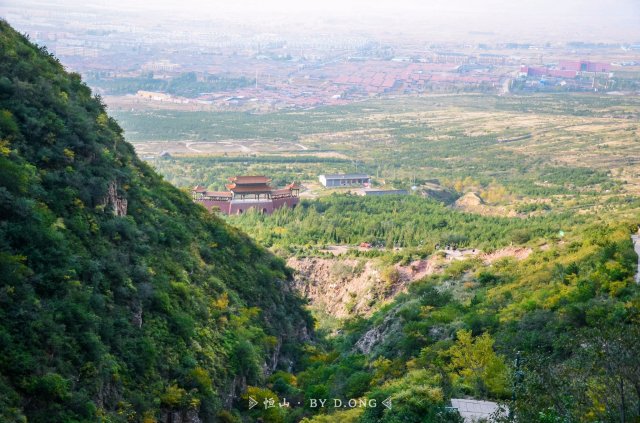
(247, 192)
(584, 66)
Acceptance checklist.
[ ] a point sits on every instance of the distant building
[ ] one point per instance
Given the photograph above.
(565, 69)
(491, 59)
(76, 51)
(247, 192)
(345, 180)
(584, 66)
(160, 66)
(451, 57)
(367, 192)
(152, 95)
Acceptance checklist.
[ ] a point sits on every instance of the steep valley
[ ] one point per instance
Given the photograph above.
(343, 287)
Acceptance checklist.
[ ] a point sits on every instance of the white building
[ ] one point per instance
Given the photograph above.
(345, 180)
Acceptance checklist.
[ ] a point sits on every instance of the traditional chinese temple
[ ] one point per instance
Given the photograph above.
(247, 192)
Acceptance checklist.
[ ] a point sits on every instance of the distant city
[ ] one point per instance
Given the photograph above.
(143, 61)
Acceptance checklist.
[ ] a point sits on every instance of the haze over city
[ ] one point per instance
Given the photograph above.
(435, 20)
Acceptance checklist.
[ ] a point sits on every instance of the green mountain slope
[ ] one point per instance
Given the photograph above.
(571, 312)
(119, 297)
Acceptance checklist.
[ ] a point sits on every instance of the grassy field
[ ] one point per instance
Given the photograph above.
(570, 151)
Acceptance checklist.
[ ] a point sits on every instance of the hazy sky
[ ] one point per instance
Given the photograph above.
(605, 20)
(483, 9)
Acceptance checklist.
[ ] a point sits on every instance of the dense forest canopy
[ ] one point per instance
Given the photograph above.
(396, 221)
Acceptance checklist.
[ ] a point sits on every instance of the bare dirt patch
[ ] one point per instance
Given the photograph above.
(344, 287)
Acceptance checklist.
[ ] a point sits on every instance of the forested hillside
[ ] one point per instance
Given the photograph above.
(120, 299)
(570, 312)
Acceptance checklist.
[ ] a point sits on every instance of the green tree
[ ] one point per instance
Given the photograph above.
(476, 365)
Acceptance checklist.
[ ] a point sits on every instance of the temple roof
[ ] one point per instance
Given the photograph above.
(250, 189)
(256, 184)
(255, 179)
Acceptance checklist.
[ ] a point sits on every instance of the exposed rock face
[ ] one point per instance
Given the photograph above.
(343, 287)
(189, 416)
(117, 203)
(108, 394)
(336, 292)
(137, 314)
(237, 386)
(376, 335)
